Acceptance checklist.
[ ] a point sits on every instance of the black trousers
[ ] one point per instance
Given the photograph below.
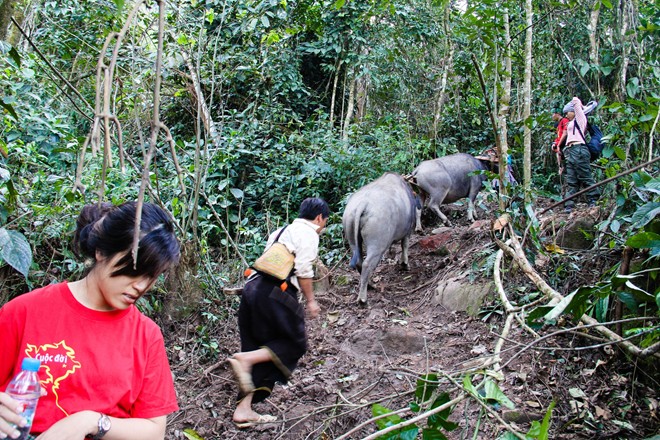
(273, 319)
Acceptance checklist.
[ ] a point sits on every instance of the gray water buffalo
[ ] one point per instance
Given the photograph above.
(377, 215)
(446, 180)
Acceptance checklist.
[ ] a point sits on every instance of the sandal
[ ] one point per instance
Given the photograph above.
(262, 419)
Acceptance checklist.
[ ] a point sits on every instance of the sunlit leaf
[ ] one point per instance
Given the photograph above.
(632, 88)
(559, 308)
(644, 240)
(493, 392)
(15, 250)
(620, 153)
(120, 5)
(551, 247)
(238, 193)
(191, 434)
(645, 214)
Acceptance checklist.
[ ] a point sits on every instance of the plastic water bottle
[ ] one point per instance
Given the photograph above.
(26, 390)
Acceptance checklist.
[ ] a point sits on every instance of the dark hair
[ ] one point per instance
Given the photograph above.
(109, 229)
(312, 207)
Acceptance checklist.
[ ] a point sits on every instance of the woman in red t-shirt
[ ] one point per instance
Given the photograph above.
(104, 370)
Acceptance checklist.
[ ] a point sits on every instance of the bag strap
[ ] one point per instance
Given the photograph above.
(282, 230)
(576, 125)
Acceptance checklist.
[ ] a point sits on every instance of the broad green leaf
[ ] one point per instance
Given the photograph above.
(529, 209)
(238, 193)
(433, 434)
(584, 69)
(191, 434)
(15, 250)
(210, 15)
(601, 308)
(615, 225)
(534, 430)
(644, 240)
(620, 153)
(559, 308)
(339, 4)
(425, 389)
(493, 392)
(545, 425)
(467, 384)
(537, 313)
(629, 300)
(9, 108)
(13, 53)
(120, 5)
(380, 410)
(652, 186)
(440, 419)
(630, 285)
(405, 433)
(645, 214)
(633, 87)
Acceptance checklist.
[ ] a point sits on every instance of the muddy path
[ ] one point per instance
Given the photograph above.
(364, 355)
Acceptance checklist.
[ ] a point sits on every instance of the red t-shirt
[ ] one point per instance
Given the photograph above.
(561, 128)
(110, 362)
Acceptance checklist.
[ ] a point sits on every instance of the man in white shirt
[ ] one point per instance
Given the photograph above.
(272, 321)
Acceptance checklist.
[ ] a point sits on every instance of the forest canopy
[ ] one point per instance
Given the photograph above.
(228, 113)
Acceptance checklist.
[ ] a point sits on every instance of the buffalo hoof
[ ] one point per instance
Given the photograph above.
(361, 303)
(405, 266)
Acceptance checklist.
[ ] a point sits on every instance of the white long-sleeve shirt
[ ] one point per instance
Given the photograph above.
(572, 134)
(301, 239)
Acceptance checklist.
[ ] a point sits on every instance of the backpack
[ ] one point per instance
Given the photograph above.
(595, 144)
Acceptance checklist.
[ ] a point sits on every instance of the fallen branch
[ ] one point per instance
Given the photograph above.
(516, 252)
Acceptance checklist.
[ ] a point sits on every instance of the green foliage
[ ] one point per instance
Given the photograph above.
(405, 433)
(538, 430)
(427, 398)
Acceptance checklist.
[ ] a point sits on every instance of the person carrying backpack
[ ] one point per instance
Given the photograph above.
(578, 157)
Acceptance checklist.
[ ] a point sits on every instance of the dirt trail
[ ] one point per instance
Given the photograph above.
(359, 356)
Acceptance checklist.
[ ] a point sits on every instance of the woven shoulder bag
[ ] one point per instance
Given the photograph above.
(276, 261)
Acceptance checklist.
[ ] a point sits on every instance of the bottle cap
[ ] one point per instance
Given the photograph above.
(31, 364)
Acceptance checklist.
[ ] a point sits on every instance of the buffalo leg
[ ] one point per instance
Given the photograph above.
(405, 241)
(436, 208)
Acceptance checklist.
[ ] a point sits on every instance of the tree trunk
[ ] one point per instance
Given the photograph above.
(502, 114)
(593, 41)
(6, 11)
(624, 20)
(447, 62)
(361, 96)
(334, 93)
(350, 106)
(527, 104)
